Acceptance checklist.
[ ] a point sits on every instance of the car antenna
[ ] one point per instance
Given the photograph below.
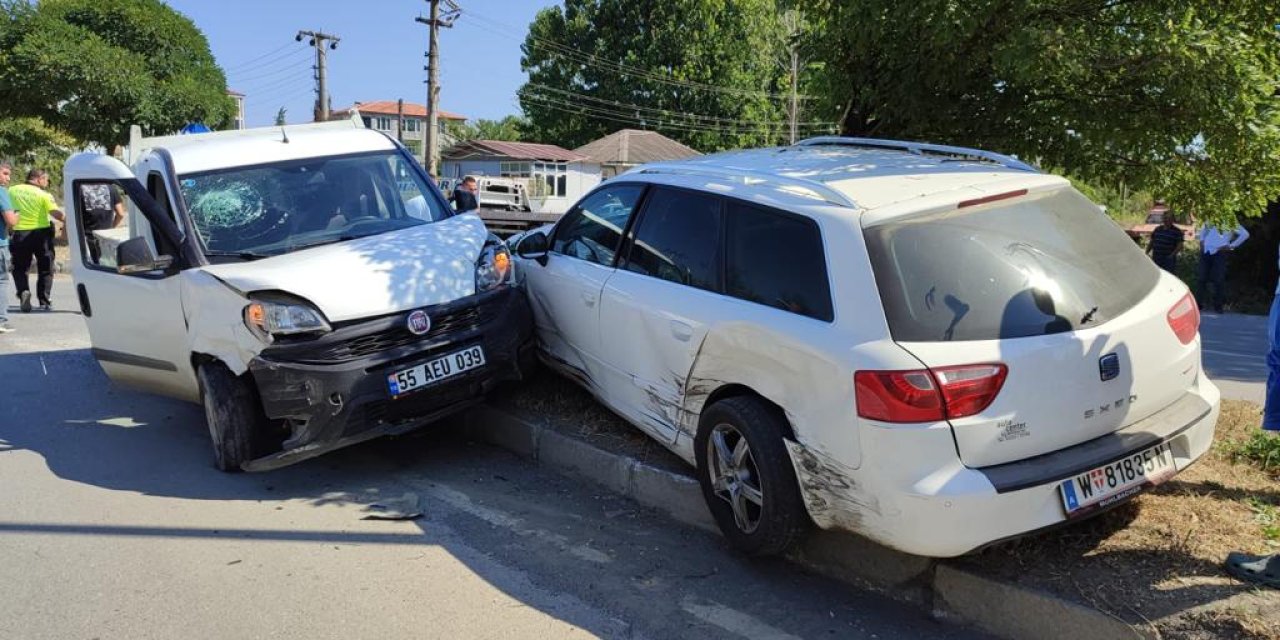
(284, 136)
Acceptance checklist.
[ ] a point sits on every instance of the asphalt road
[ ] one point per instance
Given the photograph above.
(113, 524)
(1233, 348)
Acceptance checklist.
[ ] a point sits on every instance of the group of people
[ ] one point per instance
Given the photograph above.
(28, 211)
(1211, 269)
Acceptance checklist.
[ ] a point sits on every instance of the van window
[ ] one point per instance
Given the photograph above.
(261, 210)
(1039, 265)
(592, 230)
(776, 259)
(678, 239)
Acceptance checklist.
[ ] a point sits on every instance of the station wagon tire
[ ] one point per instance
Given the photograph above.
(754, 498)
(237, 425)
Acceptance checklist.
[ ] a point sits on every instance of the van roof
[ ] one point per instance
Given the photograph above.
(861, 173)
(199, 152)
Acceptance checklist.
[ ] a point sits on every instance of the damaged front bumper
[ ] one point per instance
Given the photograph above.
(332, 391)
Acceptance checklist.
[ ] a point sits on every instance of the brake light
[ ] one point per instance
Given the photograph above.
(1184, 319)
(925, 395)
(988, 199)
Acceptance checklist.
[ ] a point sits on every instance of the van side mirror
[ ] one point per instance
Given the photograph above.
(134, 256)
(533, 247)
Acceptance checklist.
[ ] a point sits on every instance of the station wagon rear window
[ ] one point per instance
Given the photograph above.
(1032, 266)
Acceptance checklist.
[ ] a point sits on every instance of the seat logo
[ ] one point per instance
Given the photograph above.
(1109, 367)
(419, 322)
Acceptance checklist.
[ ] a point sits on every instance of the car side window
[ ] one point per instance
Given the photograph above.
(102, 210)
(592, 230)
(678, 239)
(776, 259)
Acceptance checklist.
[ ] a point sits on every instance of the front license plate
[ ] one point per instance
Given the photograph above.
(433, 371)
(1111, 483)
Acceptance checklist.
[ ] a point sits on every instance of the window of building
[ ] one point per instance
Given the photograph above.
(412, 125)
(382, 123)
(514, 169)
(550, 179)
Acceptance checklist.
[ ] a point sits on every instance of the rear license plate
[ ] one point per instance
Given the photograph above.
(1111, 483)
(433, 371)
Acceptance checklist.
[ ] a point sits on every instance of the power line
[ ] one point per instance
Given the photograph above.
(284, 58)
(254, 59)
(706, 119)
(650, 123)
(274, 73)
(288, 88)
(588, 59)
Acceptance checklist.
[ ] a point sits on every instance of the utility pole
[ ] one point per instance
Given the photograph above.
(318, 40)
(794, 21)
(430, 148)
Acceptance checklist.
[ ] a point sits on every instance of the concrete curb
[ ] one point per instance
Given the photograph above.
(1003, 609)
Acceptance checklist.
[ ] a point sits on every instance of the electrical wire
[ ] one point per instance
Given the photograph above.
(667, 112)
(588, 59)
(256, 58)
(274, 74)
(641, 122)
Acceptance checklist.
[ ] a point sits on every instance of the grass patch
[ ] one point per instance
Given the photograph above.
(1261, 449)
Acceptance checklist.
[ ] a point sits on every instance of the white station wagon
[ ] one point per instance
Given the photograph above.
(935, 347)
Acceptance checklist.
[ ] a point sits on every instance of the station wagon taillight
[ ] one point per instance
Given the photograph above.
(928, 395)
(1184, 319)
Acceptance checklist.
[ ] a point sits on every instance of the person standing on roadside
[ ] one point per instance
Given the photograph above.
(465, 196)
(33, 238)
(1165, 244)
(1215, 246)
(8, 219)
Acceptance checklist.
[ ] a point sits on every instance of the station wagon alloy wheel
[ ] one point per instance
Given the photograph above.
(734, 476)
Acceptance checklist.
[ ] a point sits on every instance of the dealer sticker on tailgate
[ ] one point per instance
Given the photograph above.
(433, 371)
(1106, 485)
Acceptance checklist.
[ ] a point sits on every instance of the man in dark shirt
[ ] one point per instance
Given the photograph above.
(1166, 242)
(464, 197)
(103, 209)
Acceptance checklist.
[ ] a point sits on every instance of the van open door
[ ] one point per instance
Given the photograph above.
(126, 260)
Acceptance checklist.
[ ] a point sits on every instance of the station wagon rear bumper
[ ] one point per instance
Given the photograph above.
(946, 509)
(333, 391)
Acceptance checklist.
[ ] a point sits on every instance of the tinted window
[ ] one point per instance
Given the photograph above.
(678, 239)
(592, 230)
(1038, 265)
(777, 260)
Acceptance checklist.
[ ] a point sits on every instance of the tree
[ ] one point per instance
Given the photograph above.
(702, 71)
(510, 128)
(92, 68)
(1176, 97)
(280, 117)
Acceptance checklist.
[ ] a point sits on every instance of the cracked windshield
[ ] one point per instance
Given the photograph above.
(266, 210)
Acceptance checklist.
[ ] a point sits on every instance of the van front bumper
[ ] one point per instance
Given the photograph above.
(332, 391)
(946, 509)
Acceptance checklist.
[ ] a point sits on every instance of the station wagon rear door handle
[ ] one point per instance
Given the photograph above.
(682, 331)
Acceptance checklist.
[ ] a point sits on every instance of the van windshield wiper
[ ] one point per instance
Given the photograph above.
(243, 255)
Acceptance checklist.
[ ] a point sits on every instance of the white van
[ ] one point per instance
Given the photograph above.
(307, 284)
(937, 348)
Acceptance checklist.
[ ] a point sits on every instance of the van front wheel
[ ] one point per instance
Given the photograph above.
(747, 478)
(237, 424)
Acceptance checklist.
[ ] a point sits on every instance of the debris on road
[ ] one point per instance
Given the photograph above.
(403, 508)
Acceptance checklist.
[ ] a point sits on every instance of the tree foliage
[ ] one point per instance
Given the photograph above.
(591, 63)
(1179, 97)
(510, 128)
(92, 68)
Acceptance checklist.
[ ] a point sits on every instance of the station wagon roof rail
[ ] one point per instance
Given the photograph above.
(797, 185)
(921, 148)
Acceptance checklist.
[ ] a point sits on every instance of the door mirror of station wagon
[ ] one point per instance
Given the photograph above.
(533, 247)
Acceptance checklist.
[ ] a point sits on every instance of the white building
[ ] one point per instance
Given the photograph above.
(238, 97)
(554, 177)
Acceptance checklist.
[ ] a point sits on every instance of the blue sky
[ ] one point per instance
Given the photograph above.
(380, 56)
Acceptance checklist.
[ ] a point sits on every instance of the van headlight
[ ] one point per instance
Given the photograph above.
(494, 268)
(269, 320)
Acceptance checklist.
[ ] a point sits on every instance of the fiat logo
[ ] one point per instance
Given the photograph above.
(419, 323)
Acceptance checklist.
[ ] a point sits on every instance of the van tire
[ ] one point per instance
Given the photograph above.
(237, 424)
(765, 469)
